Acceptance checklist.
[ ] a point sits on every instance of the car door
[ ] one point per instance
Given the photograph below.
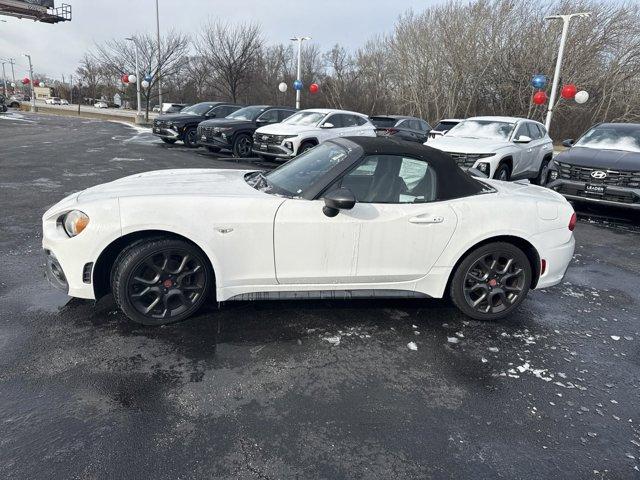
(339, 128)
(536, 148)
(394, 233)
(522, 151)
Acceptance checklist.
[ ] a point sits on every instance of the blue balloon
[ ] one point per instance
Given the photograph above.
(148, 77)
(297, 85)
(539, 81)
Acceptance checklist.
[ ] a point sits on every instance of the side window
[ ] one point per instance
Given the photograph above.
(284, 114)
(542, 130)
(360, 121)
(270, 116)
(415, 125)
(534, 133)
(521, 130)
(336, 120)
(220, 112)
(425, 126)
(391, 179)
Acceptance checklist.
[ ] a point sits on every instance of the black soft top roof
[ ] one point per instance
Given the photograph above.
(452, 182)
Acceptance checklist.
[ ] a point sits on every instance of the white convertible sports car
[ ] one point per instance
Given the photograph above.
(352, 217)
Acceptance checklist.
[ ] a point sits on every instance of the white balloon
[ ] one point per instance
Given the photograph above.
(132, 79)
(282, 87)
(582, 96)
(144, 84)
(13, 85)
(42, 84)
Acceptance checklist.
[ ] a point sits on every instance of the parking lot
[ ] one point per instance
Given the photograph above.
(322, 389)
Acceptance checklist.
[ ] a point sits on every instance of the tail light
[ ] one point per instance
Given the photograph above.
(573, 221)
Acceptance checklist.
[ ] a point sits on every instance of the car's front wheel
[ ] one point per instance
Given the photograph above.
(191, 138)
(541, 179)
(491, 281)
(160, 281)
(503, 172)
(242, 146)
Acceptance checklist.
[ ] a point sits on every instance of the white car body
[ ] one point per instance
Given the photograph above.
(524, 158)
(297, 135)
(64, 101)
(101, 104)
(52, 101)
(439, 133)
(261, 244)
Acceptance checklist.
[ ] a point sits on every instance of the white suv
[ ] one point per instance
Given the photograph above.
(308, 128)
(506, 148)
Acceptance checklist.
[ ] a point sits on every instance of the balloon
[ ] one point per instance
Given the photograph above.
(282, 87)
(568, 91)
(148, 77)
(144, 84)
(125, 78)
(538, 81)
(42, 84)
(297, 85)
(313, 88)
(539, 98)
(36, 83)
(132, 78)
(26, 81)
(13, 85)
(582, 96)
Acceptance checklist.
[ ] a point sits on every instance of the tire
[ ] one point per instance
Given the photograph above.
(484, 290)
(175, 275)
(543, 174)
(503, 172)
(214, 149)
(304, 147)
(242, 145)
(190, 138)
(170, 141)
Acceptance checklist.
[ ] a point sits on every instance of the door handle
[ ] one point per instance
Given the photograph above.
(426, 218)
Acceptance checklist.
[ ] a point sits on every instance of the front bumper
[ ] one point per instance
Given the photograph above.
(165, 132)
(275, 151)
(611, 196)
(54, 273)
(213, 141)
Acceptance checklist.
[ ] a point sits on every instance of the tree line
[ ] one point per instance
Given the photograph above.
(453, 60)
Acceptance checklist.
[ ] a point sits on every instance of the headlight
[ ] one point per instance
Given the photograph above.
(288, 145)
(483, 167)
(74, 222)
(553, 175)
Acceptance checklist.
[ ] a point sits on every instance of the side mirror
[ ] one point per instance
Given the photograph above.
(336, 200)
(568, 142)
(522, 139)
(327, 125)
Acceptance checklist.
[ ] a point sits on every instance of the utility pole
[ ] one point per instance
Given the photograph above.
(13, 73)
(299, 40)
(566, 20)
(159, 56)
(139, 112)
(71, 89)
(33, 94)
(4, 81)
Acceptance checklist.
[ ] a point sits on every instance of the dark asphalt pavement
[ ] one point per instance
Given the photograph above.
(305, 390)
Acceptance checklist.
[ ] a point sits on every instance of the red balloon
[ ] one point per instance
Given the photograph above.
(26, 81)
(313, 88)
(569, 91)
(125, 78)
(539, 98)
(36, 83)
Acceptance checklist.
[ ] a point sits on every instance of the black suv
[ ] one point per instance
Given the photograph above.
(183, 125)
(235, 132)
(602, 166)
(405, 128)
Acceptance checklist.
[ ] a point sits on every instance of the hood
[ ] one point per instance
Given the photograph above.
(178, 117)
(286, 129)
(226, 122)
(467, 145)
(601, 158)
(188, 181)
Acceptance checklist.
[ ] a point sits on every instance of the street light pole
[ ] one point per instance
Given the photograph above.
(299, 40)
(33, 94)
(139, 112)
(159, 55)
(4, 81)
(566, 19)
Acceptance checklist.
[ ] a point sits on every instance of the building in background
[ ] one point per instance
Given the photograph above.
(43, 92)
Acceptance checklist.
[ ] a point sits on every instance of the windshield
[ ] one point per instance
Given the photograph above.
(488, 129)
(296, 177)
(445, 126)
(305, 118)
(612, 138)
(197, 109)
(247, 113)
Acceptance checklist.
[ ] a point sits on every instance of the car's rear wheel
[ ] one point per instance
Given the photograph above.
(541, 179)
(491, 281)
(503, 172)
(161, 281)
(191, 138)
(242, 146)
(170, 141)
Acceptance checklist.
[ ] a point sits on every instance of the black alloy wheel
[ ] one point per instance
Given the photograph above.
(161, 281)
(491, 281)
(191, 138)
(541, 179)
(242, 146)
(503, 172)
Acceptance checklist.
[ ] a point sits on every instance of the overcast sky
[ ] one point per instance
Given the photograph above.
(56, 49)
